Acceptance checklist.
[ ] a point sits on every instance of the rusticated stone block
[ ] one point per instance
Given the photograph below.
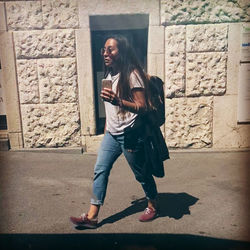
(200, 11)
(50, 43)
(57, 80)
(24, 15)
(175, 74)
(51, 125)
(59, 14)
(189, 122)
(202, 38)
(175, 38)
(175, 46)
(206, 73)
(28, 81)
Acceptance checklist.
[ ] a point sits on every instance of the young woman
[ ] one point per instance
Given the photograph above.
(128, 98)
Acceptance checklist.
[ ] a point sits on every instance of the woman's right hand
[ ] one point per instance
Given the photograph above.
(108, 95)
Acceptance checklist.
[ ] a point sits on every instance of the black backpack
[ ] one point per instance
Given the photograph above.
(157, 115)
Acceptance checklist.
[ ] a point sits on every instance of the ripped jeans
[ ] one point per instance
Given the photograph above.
(111, 148)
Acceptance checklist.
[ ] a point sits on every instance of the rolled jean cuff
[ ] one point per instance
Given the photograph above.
(96, 202)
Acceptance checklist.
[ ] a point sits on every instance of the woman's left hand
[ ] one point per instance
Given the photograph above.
(109, 96)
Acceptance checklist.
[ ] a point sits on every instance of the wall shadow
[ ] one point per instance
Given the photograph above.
(117, 242)
(173, 205)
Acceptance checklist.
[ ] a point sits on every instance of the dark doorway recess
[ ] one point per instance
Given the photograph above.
(3, 122)
(101, 28)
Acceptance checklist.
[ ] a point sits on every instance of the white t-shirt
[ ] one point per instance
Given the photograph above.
(115, 121)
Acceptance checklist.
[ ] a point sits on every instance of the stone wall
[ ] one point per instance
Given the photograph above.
(195, 66)
(45, 48)
(193, 45)
(204, 11)
(197, 58)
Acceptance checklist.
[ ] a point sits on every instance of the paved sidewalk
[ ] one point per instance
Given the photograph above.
(203, 199)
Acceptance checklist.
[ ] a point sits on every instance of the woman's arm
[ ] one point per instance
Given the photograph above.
(138, 94)
(139, 104)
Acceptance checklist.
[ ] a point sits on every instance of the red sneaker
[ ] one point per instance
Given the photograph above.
(84, 221)
(148, 215)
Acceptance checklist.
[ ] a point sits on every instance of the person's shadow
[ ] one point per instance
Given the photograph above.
(173, 205)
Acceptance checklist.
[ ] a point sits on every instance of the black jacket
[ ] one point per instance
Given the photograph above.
(156, 150)
(155, 147)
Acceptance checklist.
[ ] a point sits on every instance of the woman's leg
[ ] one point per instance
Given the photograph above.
(137, 162)
(108, 152)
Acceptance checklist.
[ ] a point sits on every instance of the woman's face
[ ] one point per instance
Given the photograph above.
(110, 53)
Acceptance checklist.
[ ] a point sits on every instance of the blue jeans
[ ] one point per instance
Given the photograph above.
(111, 148)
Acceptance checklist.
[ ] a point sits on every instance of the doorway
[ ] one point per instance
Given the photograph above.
(135, 29)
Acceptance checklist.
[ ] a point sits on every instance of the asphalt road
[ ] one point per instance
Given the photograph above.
(204, 202)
